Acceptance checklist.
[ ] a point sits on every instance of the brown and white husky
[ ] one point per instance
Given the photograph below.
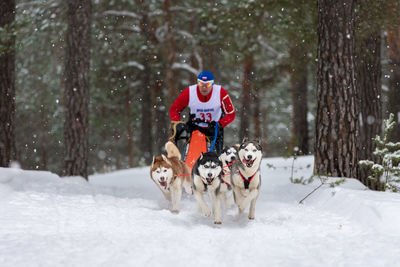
(170, 174)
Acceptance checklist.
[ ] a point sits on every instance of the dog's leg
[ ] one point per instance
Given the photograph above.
(245, 201)
(167, 195)
(253, 207)
(176, 197)
(238, 198)
(203, 205)
(229, 200)
(216, 206)
(188, 187)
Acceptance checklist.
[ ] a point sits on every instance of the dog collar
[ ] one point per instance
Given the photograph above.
(246, 181)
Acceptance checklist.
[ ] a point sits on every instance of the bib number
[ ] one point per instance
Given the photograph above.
(206, 117)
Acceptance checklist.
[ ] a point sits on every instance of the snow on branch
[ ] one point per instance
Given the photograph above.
(121, 13)
(185, 67)
(269, 48)
(128, 64)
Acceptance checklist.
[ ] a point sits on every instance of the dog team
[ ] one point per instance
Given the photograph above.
(236, 169)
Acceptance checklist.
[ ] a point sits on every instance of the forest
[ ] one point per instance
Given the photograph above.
(86, 86)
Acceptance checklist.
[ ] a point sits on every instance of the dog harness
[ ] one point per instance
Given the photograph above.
(246, 181)
(205, 186)
(227, 185)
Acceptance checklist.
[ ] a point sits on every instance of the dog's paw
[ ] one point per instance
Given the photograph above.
(217, 222)
(242, 207)
(251, 217)
(207, 212)
(175, 211)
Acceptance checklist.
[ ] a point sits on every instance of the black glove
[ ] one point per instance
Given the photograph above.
(180, 127)
(212, 125)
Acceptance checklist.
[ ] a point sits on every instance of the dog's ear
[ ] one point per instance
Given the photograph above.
(245, 139)
(166, 159)
(152, 163)
(258, 140)
(236, 146)
(201, 156)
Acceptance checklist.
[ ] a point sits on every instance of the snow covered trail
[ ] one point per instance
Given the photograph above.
(121, 219)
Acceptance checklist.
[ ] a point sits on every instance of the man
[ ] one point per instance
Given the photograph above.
(210, 107)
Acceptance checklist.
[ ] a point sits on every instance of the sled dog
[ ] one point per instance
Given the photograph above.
(246, 177)
(206, 177)
(228, 158)
(170, 174)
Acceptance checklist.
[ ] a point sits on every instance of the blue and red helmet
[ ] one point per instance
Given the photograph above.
(205, 76)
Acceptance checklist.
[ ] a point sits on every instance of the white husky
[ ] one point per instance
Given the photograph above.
(246, 177)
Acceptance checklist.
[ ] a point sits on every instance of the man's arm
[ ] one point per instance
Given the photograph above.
(180, 103)
(227, 108)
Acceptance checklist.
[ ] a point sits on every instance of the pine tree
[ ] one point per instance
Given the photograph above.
(387, 173)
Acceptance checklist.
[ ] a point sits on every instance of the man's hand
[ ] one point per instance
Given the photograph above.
(180, 127)
(212, 125)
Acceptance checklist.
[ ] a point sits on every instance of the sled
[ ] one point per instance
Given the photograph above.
(197, 146)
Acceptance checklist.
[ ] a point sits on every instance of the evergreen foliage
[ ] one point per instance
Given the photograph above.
(213, 35)
(388, 171)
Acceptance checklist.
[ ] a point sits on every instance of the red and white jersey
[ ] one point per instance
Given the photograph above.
(224, 108)
(207, 111)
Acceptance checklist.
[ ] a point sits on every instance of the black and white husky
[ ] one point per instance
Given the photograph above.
(228, 158)
(246, 177)
(206, 177)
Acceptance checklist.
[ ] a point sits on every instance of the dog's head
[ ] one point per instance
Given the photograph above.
(229, 154)
(209, 167)
(250, 153)
(161, 171)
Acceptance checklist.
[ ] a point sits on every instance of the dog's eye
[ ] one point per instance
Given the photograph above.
(165, 170)
(213, 166)
(254, 150)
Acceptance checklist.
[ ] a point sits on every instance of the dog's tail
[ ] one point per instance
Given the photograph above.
(172, 150)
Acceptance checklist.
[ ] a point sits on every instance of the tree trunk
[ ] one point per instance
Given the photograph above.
(44, 130)
(129, 133)
(161, 134)
(245, 110)
(370, 89)
(7, 83)
(337, 126)
(257, 113)
(170, 47)
(298, 90)
(394, 81)
(76, 94)
(146, 137)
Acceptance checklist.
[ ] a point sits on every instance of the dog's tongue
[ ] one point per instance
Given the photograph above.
(209, 180)
(248, 163)
(163, 184)
(245, 161)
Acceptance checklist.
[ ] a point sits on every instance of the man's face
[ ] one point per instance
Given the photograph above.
(205, 87)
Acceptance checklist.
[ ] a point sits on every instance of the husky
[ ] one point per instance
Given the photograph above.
(171, 174)
(228, 158)
(246, 177)
(206, 177)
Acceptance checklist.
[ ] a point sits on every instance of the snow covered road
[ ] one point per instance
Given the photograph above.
(121, 219)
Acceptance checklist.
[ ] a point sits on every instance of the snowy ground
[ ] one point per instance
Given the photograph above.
(121, 219)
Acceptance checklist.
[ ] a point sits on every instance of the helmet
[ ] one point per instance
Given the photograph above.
(205, 76)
